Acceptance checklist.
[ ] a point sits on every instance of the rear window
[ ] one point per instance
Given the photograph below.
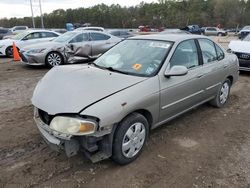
(48, 35)
(99, 36)
(20, 28)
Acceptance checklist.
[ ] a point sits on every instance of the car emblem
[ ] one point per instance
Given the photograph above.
(244, 56)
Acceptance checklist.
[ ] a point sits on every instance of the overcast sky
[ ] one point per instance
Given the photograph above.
(21, 8)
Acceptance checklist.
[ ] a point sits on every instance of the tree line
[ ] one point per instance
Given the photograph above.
(164, 13)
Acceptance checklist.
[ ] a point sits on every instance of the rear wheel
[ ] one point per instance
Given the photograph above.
(9, 51)
(223, 94)
(219, 34)
(54, 59)
(129, 139)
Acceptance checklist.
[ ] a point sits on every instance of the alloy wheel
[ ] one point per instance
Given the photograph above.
(54, 59)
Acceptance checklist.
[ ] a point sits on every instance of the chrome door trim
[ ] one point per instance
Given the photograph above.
(180, 100)
(212, 86)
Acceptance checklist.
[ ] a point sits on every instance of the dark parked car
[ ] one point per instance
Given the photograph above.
(3, 32)
(121, 33)
(194, 29)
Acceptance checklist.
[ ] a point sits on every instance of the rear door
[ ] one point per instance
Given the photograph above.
(81, 45)
(100, 43)
(214, 66)
(179, 93)
(48, 36)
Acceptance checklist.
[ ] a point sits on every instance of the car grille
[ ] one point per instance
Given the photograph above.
(243, 56)
(45, 117)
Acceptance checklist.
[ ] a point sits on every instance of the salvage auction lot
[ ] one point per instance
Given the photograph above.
(206, 147)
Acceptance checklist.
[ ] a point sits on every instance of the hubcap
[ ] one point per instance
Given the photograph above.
(224, 93)
(133, 140)
(54, 59)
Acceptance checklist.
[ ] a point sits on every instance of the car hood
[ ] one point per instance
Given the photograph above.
(240, 46)
(7, 42)
(45, 44)
(69, 89)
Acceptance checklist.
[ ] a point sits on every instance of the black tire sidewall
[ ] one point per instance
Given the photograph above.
(122, 128)
(6, 51)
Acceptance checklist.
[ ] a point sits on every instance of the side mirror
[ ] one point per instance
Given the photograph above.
(176, 71)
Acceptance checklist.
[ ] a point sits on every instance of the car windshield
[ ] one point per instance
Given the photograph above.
(135, 57)
(65, 37)
(247, 38)
(20, 35)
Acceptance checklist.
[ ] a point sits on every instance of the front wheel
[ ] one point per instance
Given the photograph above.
(54, 59)
(9, 51)
(129, 139)
(223, 94)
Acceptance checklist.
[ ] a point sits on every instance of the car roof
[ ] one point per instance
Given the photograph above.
(39, 30)
(169, 37)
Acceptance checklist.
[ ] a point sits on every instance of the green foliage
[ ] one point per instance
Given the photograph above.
(167, 13)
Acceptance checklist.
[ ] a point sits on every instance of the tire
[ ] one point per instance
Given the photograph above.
(54, 59)
(9, 51)
(222, 95)
(128, 144)
(219, 34)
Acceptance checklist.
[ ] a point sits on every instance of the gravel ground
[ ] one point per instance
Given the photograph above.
(206, 147)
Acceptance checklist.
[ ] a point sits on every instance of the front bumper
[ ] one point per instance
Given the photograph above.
(95, 148)
(33, 59)
(57, 142)
(244, 65)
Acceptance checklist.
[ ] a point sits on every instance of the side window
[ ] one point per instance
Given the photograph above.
(80, 38)
(32, 36)
(208, 50)
(185, 54)
(220, 53)
(99, 36)
(48, 35)
(115, 33)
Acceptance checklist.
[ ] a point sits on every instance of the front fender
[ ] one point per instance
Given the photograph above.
(113, 109)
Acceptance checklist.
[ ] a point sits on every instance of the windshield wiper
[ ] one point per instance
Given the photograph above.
(106, 68)
(92, 63)
(114, 70)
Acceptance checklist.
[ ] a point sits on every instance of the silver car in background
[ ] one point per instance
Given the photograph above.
(71, 47)
(25, 38)
(107, 108)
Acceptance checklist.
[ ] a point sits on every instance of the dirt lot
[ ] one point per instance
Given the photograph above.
(207, 147)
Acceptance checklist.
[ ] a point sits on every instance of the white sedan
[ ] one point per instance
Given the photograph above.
(241, 48)
(25, 38)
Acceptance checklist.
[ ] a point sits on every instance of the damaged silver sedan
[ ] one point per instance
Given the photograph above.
(107, 108)
(71, 47)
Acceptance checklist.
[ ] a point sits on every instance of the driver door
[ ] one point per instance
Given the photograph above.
(179, 93)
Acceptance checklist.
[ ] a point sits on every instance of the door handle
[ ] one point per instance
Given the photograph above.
(225, 66)
(199, 75)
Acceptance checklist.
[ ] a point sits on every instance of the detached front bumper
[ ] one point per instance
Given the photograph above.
(57, 142)
(95, 148)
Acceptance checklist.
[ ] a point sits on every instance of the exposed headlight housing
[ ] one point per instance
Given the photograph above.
(36, 51)
(72, 125)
